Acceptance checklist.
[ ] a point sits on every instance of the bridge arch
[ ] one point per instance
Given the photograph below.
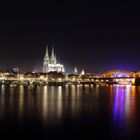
(117, 73)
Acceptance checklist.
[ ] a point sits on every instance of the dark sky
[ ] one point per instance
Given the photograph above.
(97, 36)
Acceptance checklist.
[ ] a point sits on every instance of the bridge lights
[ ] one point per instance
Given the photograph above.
(133, 81)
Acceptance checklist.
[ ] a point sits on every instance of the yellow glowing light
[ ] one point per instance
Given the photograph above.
(41, 77)
(59, 80)
(133, 81)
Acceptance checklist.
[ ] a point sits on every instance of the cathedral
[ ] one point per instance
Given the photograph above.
(50, 63)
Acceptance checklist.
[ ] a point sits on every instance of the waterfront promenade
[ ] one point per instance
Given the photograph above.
(111, 77)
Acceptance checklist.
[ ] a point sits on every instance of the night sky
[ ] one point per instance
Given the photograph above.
(97, 36)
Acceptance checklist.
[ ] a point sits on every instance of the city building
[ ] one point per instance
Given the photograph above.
(82, 72)
(75, 71)
(50, 63)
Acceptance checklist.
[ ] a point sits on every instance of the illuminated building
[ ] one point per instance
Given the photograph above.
(75, 71)
(15, 70)
(50, 63)
(82, 72)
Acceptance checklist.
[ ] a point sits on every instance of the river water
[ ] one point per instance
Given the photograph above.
(70, 112)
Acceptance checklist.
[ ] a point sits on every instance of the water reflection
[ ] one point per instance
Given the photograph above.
(59, 102)
(119, 105)
(73, 100)
(2, 102)
(124, 102)
(55, 104)
(45, 103)
(50, 102)
(123, 109)
(21, 102)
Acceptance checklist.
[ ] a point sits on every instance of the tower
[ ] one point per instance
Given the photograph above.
(82, 72)
(46, 61)
(75, 71)
(52, 60)
(55, 60)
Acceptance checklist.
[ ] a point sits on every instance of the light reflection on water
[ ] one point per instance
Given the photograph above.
(59, 102)
(55, 104)
(45, 103)
(124, 102)
(48, 102)
(123, 110)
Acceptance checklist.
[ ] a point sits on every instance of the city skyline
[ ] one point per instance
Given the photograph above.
(70, 69)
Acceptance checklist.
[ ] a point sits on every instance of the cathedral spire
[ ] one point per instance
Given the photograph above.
(46, 60)
(52, 56)
(55, 60)
(47, 54)
(52, 52)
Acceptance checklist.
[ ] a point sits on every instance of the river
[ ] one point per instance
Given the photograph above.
(70, 112)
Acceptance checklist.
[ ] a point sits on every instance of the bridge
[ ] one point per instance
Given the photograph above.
(118, 74)
(119, 77)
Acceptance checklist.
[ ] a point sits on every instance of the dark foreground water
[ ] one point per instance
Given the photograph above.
(75, 112)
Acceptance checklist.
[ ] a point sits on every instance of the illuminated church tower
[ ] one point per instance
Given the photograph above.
(50, 63)
(46, 61)
(53, 57)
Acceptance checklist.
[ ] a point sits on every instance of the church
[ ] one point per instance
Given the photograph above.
(50, 63)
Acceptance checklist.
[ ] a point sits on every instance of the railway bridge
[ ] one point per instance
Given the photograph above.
(119, 77)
